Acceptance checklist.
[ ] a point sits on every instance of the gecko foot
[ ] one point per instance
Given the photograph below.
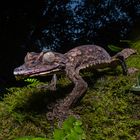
(60, 115)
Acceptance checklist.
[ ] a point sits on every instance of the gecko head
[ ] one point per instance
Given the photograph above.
(43, 63)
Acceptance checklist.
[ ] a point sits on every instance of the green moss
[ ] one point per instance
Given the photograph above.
(133, 61)
(22, 113)
(109, 110)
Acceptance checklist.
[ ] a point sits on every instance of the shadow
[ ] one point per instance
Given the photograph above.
(42, 100)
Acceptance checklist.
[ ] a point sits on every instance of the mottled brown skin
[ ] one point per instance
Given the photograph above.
(81, 57)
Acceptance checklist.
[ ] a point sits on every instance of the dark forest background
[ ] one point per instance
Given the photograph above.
(35, 25)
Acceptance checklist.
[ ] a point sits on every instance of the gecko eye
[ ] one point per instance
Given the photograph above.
(33, 62)
(49, 57)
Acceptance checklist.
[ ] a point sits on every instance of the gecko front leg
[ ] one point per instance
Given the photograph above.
(62, 109)
(51, 86)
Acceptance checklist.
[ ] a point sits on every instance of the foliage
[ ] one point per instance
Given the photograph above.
(139, 80)
(136, 87)
(114, 48)
(32, 82)
(85, 22)
(71, 130)
(109, 110)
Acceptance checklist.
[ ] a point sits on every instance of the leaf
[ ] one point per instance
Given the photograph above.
(114, 48)
(73, 136)
(78, 129)
(78, 122)
(58, 134)
(31, 80)
(68, 124)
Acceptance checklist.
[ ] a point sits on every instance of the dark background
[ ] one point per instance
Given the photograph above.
(33, 25)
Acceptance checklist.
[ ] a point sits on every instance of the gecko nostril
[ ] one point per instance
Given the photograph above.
(20, 68)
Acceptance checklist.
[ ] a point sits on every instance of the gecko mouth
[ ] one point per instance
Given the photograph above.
(31, 73)
(43, 73)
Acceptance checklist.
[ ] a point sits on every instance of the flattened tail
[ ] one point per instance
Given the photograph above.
(125, 53)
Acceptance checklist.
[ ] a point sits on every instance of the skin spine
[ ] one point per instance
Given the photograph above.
(81, 57)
